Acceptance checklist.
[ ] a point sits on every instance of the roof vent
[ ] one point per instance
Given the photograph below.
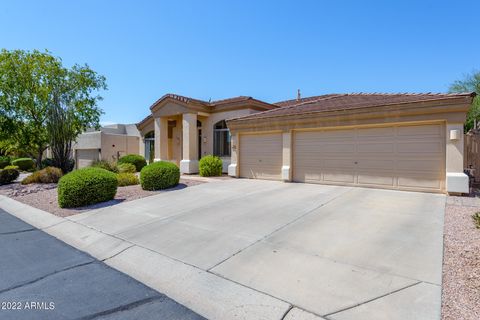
(298, 95)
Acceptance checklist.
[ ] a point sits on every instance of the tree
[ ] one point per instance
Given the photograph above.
(33, 82)
(470, 83)
(62, 133)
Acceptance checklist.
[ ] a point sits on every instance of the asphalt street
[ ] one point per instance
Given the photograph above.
(44, 278)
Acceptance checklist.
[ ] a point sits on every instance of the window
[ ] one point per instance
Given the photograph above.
(221, 139)
(150, 146)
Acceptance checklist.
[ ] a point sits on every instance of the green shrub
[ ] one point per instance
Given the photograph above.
(137, 160)
(47, 175)
(8, 175)
(210, 166)
(24, 164)
(127, 179)
(159, 175)
(11, 167)
(476, 219)
(4, 161)
(86, 186)
(107, 165)
(126, 168)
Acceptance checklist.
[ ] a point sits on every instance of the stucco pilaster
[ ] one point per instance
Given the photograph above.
(189, 163)
(457, 181)
(287, 156)
(233, 166)
(161, 138)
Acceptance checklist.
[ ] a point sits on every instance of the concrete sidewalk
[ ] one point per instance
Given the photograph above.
(43, 278)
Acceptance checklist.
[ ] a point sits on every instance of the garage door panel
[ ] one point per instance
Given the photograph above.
(376, 133)
(339, 176)
(377, 178)
(419, 165)
(420, 147)
(375, 164)
(384, 147)
(434, 130)
(261, 156)
(338, 163)
(400, 157)
(421, 181)
(85, 157)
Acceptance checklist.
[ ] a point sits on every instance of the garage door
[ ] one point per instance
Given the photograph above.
(85, 157)
(398, 157)
(261, 156)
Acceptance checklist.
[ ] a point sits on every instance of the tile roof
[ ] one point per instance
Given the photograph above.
(213, 104)
(336, 102)
(208, 105)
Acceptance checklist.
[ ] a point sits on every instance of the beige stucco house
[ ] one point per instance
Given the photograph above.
(394, 141)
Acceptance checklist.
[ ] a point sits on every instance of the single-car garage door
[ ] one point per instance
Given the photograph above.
(398, 157)
(85, 157)
(261, 156)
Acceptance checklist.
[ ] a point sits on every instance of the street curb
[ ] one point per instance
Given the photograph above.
(201, 291)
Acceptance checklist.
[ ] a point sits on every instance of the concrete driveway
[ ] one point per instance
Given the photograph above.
(323, 251)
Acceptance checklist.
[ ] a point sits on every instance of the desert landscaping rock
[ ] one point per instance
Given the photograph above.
(44, 196)
(461, 262)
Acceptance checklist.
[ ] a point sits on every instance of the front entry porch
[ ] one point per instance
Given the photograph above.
(178, 139)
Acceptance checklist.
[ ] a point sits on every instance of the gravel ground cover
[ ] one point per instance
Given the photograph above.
(461, 261)
(44, 196)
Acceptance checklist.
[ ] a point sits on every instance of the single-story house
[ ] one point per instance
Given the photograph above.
(107, 143)
(395, 141)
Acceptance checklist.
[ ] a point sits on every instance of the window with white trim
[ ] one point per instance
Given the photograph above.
(221, 139)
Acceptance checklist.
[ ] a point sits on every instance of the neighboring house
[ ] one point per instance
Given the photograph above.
(108, 143)
(393, 141)
(182, 130)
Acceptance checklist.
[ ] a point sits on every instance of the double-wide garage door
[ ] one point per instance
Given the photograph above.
(397, 157)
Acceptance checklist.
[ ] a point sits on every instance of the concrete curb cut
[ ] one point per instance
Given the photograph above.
(205, 293)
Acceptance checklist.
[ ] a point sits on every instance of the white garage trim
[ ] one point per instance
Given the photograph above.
(398, 156)
(260, 155)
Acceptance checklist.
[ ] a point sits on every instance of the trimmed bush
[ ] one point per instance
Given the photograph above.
(4, 161)
(86, 186)
(11, 167)
(104, 164)
(24, 164)
(137, 160)
(127, 179)
(126, 168)
(8, 175)
(159, 175)
(210, 166)
(47, 175)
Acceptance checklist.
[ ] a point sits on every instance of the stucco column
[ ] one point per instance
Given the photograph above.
(457, 181)
(287, 156)
(233, 167)
(189, 163)
(161, 139)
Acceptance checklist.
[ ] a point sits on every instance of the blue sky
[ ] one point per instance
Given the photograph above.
(265, 49)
